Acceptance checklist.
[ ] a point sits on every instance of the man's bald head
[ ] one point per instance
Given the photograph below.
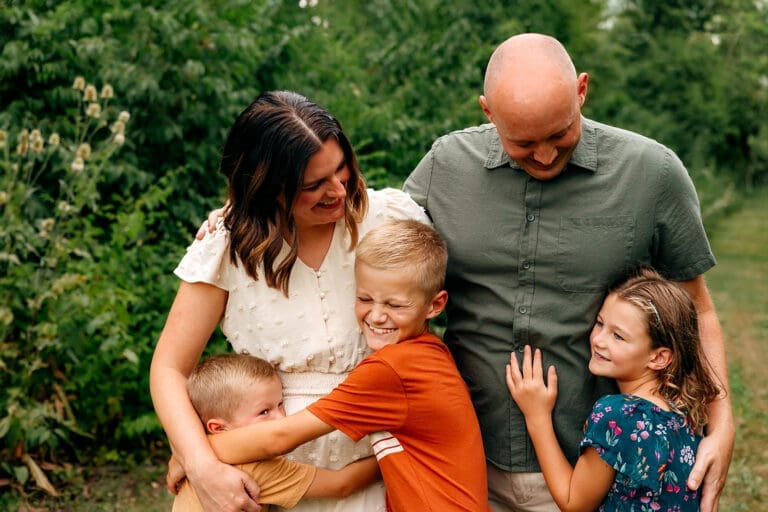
(528, 64)
(534, 97)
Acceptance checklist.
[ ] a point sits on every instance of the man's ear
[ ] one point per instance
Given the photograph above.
(582, 88)
(437, 304)
(486, 110)
(661, 358)
(216, 425)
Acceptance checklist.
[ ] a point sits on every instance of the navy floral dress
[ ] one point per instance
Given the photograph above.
(652, 451)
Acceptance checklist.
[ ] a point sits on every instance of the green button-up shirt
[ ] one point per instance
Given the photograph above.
(530, 261)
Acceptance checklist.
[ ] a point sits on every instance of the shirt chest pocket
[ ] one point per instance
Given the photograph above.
(593, 252)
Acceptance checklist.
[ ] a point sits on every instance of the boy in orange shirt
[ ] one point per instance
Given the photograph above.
(234, 390)
(408, 391)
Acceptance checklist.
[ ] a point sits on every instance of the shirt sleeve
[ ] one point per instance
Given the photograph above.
(206, 260)
(417, 184)
(627, 440)
(282, 482)
(682, 250)
(371, 399)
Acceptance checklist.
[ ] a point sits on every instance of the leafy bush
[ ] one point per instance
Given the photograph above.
(62, 321)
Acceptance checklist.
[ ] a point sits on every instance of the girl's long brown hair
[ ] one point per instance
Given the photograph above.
(264, 159)
(687, 383)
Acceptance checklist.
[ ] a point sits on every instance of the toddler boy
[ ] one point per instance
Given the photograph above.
(234, 390)
(430, 453)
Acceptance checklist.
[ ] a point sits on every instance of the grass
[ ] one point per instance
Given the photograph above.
(134, 488)
(739, 285)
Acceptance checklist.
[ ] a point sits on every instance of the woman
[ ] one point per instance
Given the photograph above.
(278, 275)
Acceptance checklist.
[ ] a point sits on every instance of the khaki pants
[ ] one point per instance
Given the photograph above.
(518, 492)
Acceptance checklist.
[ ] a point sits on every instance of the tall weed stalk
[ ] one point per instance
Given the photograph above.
(61, 331)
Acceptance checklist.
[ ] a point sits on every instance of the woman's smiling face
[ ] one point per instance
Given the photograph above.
(321, 199)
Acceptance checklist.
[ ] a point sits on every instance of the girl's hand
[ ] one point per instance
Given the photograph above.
(535, 398)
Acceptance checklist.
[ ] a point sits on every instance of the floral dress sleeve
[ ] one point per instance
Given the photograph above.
(625, 437)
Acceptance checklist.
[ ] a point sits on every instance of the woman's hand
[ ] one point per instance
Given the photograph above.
(535, 399)
(225, 488)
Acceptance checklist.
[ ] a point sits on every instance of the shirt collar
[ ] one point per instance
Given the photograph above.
(585, 155)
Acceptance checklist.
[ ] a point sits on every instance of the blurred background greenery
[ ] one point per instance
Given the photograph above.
(87, 251)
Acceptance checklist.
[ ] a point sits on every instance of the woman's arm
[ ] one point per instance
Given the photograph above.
(582, 488)
(194, 315)
(267, 439)
(345, 481)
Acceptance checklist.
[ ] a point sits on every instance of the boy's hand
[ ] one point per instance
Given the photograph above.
(176, 475)
(213, 219)
(535, 399)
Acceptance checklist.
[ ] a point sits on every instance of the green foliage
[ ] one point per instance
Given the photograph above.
(63, 322)
(691, 75)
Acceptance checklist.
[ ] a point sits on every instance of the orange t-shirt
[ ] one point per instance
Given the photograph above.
(431, 455)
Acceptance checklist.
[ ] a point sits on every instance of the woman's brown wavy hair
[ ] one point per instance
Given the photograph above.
(687, 383)
(264, 159)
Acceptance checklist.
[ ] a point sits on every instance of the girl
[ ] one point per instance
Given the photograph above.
(638, 446)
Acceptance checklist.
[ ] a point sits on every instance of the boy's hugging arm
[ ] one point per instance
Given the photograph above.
(343, 482)
(284, 482)
(267, 439)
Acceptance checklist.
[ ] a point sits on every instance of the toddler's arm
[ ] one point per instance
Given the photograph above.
(267, 439)
(345, 481)
(582, 488)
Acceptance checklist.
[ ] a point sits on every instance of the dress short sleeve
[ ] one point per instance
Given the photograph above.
(626, 438)
(389, 204)
(206, 259)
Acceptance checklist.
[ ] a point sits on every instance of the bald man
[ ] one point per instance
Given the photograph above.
(542, 209)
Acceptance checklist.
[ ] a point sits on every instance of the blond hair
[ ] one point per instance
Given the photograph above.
(407, 245)
(218, 384)
(687, 383)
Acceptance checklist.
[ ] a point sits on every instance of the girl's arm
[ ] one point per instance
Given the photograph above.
(195, 313)
(267, 439)
(345, 481)
(582, 488)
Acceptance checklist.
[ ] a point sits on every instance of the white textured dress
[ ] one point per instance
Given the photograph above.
(311, 336)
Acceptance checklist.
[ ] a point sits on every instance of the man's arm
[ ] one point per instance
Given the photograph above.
(716, 449)
(345, 481)
(267, 439)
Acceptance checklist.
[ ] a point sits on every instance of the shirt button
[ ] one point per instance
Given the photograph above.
(522, 310)
(322, 295)
(332, 359)
(530, 217)
(526, 265)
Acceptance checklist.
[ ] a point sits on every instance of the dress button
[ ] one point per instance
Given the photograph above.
(526, 265)
(522, 310)
(530, 217)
